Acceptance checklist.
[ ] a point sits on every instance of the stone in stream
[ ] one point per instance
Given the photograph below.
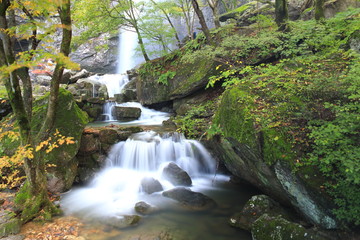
(174, 174)
(122, 221)
(126, 113)
(150, 185)
(189, 199)
(144, 208)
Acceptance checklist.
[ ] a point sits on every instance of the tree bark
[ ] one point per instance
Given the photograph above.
(281, 15)
(319, 10)
(202, 21)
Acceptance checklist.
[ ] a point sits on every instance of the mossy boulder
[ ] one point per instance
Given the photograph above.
(275, 228)
(255, 208)
(70, 122)
(264, 156)
(9, 224)
(189, 78)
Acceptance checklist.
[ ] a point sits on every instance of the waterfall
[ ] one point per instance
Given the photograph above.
(115, 190)
(126, 51)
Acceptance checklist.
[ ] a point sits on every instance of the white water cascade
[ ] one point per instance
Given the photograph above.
(116, 189)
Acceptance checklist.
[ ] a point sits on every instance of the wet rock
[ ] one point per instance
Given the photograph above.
(174, 174)
(271, 228)
(122, 221)
(108, 136)
(9, 224)
(354, 41)
(126, 113)
(150, 185)
(190, 199)
(144, 208)
(255, 208)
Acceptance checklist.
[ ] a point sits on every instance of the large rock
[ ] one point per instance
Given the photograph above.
(189, 199)
(174, 174)
(126, 113)
(252, 155)
(70, 122)
(189, 78)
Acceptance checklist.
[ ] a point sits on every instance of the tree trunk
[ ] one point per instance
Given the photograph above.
(319, 10)
(214, 8)
(32, 199)
(202, 21)
(141, 43)
(281, 15)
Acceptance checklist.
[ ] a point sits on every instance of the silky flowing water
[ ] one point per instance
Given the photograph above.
(116, 189)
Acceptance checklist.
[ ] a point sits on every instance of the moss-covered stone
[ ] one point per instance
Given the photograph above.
(189, 78)
(9, 224)
(70, 122)
(277, 228)
(254, 209)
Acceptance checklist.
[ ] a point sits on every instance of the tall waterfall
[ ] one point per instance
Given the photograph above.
(126, 51)
(115, 190)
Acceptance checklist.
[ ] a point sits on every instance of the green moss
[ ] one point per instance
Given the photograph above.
(233, 116)
(190, 75)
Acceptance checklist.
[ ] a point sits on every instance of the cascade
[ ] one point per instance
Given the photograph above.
(115, 189)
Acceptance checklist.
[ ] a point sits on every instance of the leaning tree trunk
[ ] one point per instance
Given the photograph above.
(141, 44)
(202, 21)
(281, 15)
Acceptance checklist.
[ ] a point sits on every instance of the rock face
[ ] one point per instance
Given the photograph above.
(260, 159)
(126, 113)
(174, 174)
(189, 199)
(98, 55)
(150, 185)
(70, 122)
(189, 78)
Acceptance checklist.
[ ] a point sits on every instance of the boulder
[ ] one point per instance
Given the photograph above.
(274, 228)
(70, 122)
(354, 41)
(126, 113)
(189, 199)
(144, 208)
(9, 224)
(174, 174)
(255, 208)
(150, 185)
(260, 158)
